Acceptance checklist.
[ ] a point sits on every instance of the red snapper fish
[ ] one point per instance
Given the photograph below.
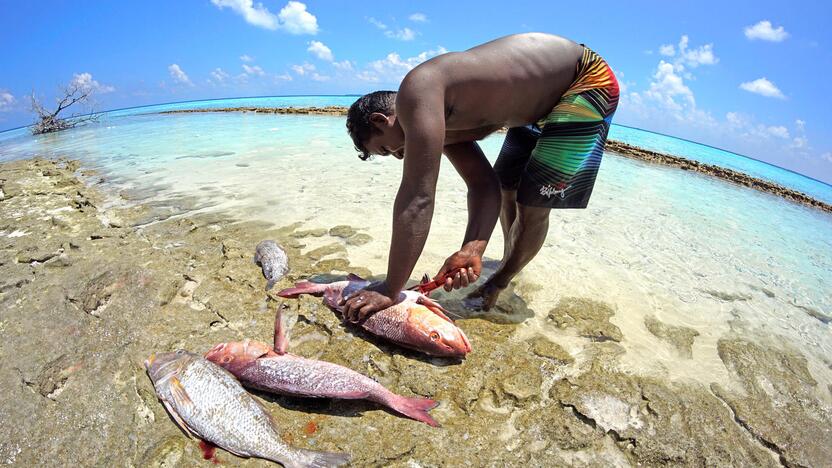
(258, 366)
(416, 321)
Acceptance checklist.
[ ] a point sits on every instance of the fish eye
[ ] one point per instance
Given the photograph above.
(434, 336)
(227, 359)
(180, 352)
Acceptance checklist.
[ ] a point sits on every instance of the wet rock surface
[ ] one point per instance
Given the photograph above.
(680, 337)
(73, 337)
(590, 318)
(780, 406)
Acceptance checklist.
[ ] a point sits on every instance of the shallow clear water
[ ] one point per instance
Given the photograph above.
(689, 249)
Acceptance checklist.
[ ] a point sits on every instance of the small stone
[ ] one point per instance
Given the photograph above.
(359, 239)
(551, 350)
(680, 337)
(328, 249)
(342, 231)
(340, 264)
(590, 318)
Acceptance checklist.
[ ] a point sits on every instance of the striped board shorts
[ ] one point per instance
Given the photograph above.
(553, 163)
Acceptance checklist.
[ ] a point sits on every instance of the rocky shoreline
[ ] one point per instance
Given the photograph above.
(617, 147)
(88, 291)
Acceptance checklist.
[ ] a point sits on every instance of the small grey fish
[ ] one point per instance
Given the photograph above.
(273, 260)
(207, 401)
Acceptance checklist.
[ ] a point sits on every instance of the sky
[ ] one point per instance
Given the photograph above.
(749, 77)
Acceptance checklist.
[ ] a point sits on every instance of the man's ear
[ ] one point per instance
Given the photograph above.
(378, 119)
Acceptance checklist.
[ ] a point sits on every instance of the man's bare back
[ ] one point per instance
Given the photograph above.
(509, 82)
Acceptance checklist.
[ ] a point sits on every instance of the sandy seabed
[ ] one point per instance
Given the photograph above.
(88, 289)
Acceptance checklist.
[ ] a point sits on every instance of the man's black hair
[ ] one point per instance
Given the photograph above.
(358, 117)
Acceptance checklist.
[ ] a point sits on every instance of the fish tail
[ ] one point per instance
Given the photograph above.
(303, 287)
(302, 458)
(414, 408)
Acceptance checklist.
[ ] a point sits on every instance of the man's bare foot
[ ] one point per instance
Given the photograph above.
(483, 297)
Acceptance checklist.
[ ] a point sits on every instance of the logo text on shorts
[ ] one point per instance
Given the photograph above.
(558, 189)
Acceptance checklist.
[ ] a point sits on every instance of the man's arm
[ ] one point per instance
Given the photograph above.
(483, 193)
(420, 110)
(421, 113)
(483, 212)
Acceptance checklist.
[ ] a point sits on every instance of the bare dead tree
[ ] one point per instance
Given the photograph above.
(74, 94)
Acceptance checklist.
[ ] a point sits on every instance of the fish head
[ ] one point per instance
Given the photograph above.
(436, 335)
(160, 366)
(235, 356)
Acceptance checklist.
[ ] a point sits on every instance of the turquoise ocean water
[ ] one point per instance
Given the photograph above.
(686, 248)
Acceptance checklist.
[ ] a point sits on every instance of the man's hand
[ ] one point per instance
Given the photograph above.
(365, 302)
(463, 268)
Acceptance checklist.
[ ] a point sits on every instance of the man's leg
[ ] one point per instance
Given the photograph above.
(523, 242)
(508, 213)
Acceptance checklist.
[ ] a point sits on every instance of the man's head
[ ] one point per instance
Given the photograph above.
(371, 122)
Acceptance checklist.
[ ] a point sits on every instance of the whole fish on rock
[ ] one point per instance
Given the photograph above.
(416, 321)
(207, 401)
(273, 260)
(259, 366)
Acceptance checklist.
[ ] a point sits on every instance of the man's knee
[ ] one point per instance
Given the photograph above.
(532, 215)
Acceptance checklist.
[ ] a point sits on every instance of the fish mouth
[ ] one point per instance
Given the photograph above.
(465, 341)
(149, 361)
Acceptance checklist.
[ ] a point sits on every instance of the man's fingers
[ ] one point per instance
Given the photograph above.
(463, 278)
(449, 284)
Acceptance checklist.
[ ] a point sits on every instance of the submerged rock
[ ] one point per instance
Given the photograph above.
(680, 337)
(779, 407)
(589, 318)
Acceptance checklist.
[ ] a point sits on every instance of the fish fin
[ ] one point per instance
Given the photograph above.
(269, 284)
(303, 287)
(434, 307)
(414, 408)
(281, 341)
(354, 277)
(315, 459)
(180, 396)
(178, 419)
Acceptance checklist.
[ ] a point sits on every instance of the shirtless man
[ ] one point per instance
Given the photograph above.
(557, 98)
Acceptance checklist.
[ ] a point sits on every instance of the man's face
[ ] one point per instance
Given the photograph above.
(388, 140)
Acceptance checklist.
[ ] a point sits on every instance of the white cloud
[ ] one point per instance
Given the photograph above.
(319, 77)
(703, 55)
(292, 18)
(179, 75)
(256, 15)
(405, 34)
(827, 156)
(746, 128)
(418, 17)
(800, 142)
(763, 87)
(246, 58)
(377, 23)
(778, 131)
(320, 50)
(667, 87)
(85, 81)
(253, 70)
(303, 69)
(764, 31)
(344, 65)
(296, 20)
(219, 75)
(6, 100)
(667, 50)
(392, 68)
(283, 77)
